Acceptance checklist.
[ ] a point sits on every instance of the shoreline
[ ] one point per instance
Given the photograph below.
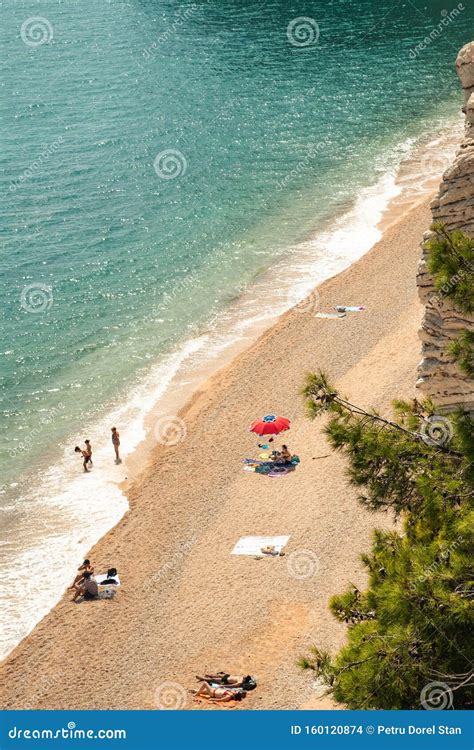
(190, 370)
(191, 501)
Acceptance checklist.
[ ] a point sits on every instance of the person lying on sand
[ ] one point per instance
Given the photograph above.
(247, 682)
(88, 589)
(86, 566)
(85, 457)
(111, 577)
(219, 694)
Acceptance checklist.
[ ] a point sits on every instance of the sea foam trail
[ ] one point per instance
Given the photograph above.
(66, 512)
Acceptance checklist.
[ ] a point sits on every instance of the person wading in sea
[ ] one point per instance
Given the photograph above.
(88, 450)
(84, 455)
(116, 444)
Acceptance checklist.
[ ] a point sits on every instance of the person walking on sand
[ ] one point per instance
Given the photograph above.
(116, 444)
(88, 450)
(85, 457)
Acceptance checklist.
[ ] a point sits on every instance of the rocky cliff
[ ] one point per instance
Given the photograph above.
(440, 377)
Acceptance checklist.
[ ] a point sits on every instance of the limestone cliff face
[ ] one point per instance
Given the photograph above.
(439, 376)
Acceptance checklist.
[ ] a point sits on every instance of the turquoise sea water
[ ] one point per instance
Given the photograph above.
(116, 254)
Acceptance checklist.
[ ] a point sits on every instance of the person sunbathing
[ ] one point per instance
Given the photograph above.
(247, 682)
(219, 694)
(111, 577)
(86, 565)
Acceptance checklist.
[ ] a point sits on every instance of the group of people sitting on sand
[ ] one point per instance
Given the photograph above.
(85, 585)
(223, 687)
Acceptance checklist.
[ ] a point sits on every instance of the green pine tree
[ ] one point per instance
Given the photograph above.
(411, 628)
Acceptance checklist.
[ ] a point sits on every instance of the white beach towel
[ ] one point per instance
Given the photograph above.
(103, 577)
(252, 545)
(331, 316)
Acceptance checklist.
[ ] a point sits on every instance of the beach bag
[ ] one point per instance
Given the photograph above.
(250, 684)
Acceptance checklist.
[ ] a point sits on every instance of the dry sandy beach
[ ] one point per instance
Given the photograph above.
(186, 605)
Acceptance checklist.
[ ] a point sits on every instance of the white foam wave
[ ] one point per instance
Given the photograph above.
(78, 509)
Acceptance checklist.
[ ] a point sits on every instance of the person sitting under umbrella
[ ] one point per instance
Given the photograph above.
(282, 457)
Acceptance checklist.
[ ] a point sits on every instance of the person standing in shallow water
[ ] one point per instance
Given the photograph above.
(85, 457)
(116, 444)
(88, 450)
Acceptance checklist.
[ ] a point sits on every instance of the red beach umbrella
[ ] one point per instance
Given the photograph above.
(270, 425)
